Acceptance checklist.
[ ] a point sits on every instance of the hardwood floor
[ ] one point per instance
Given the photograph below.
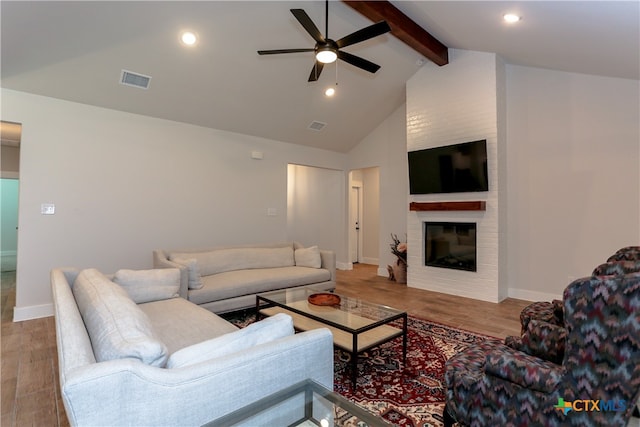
(31, 394)
(497, 320)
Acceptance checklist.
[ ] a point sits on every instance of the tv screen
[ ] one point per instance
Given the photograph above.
(455, 168)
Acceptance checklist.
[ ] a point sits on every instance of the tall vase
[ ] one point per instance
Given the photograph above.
(400, 271)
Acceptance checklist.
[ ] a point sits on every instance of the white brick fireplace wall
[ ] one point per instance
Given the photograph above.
(460, 102)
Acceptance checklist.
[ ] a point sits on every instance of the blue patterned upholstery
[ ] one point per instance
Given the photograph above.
(541, 339)
(545, 311)
(496, 385)
(628, 253)
(617, 267)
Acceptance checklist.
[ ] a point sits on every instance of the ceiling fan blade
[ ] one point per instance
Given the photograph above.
(278, 51)
(308, 24)
(364, 34)
(358, 62)
(315, 71)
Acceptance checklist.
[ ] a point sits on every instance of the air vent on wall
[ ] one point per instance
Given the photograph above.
(135, 79)
(317, 126)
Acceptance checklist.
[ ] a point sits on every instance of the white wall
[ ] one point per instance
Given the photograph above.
(125, 184)
(386, 147)
(573, 175)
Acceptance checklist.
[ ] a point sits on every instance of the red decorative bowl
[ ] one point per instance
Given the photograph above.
(324, 298)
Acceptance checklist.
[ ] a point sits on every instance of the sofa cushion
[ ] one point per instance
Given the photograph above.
(308, 257)
(195, 281)
(233, 284)
(269, 329)
(116, 325)
(149, 285)
(179, 323)
(221, 260)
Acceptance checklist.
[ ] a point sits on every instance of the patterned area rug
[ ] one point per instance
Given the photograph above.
(411, 395)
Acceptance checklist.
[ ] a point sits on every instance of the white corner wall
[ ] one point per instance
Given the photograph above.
(386, 148)
(568, 170)
(125, 184)
(448, 105)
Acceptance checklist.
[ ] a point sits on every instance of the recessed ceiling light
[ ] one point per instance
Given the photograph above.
(330, 92)
(188, 38)
(511, 18)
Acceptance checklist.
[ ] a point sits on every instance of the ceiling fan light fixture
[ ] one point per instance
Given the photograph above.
(326, 55)
(330, 92)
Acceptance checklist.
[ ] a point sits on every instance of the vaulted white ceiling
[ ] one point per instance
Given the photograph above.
(76, 51)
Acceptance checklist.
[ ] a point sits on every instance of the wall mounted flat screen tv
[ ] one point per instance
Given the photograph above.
(457, 168)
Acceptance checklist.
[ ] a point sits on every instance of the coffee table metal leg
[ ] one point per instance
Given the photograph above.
(354, 362)
(404, 340)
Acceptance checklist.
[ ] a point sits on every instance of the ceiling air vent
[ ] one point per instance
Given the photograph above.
(134, 79)
(317, 126)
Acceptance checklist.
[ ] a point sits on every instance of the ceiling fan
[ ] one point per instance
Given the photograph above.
(327, 50)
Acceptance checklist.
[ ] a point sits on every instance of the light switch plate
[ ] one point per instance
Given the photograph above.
(47, 209)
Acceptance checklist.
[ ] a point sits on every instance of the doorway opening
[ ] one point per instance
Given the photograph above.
(364, 218)
(10, 136)
(315, 207)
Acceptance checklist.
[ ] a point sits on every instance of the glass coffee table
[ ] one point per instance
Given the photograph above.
(305, 404)
(356, 325)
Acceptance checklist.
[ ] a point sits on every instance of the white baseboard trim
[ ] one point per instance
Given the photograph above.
(383, 272)
(32, 312)
(532, 295)
(344, 265)
(372, 261)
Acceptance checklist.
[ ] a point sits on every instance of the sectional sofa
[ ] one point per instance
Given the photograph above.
(131, 351)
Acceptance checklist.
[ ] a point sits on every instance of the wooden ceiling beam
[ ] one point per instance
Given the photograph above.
(404, 28)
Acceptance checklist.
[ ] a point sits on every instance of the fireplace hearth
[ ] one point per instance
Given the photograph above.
(450, 245)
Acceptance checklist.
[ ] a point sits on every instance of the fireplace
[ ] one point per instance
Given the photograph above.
(450, 245)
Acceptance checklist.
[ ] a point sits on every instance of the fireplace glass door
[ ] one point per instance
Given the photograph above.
(450, 245)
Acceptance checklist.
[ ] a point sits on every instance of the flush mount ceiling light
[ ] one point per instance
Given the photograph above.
(330, 92)
(511, 18)
(188, 38)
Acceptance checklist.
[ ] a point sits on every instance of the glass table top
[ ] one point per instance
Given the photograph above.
(351, 314)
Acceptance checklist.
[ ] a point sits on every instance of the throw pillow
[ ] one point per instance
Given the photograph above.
(195, 280)
(118, 328)
(266, 330)
(308, 257)
(149, 285)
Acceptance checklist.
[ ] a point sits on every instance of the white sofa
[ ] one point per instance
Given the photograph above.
(226, 279)
(132, 352)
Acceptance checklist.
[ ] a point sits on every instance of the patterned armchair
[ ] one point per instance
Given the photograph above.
(597, 383)
(552, 312)
(628, 253)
